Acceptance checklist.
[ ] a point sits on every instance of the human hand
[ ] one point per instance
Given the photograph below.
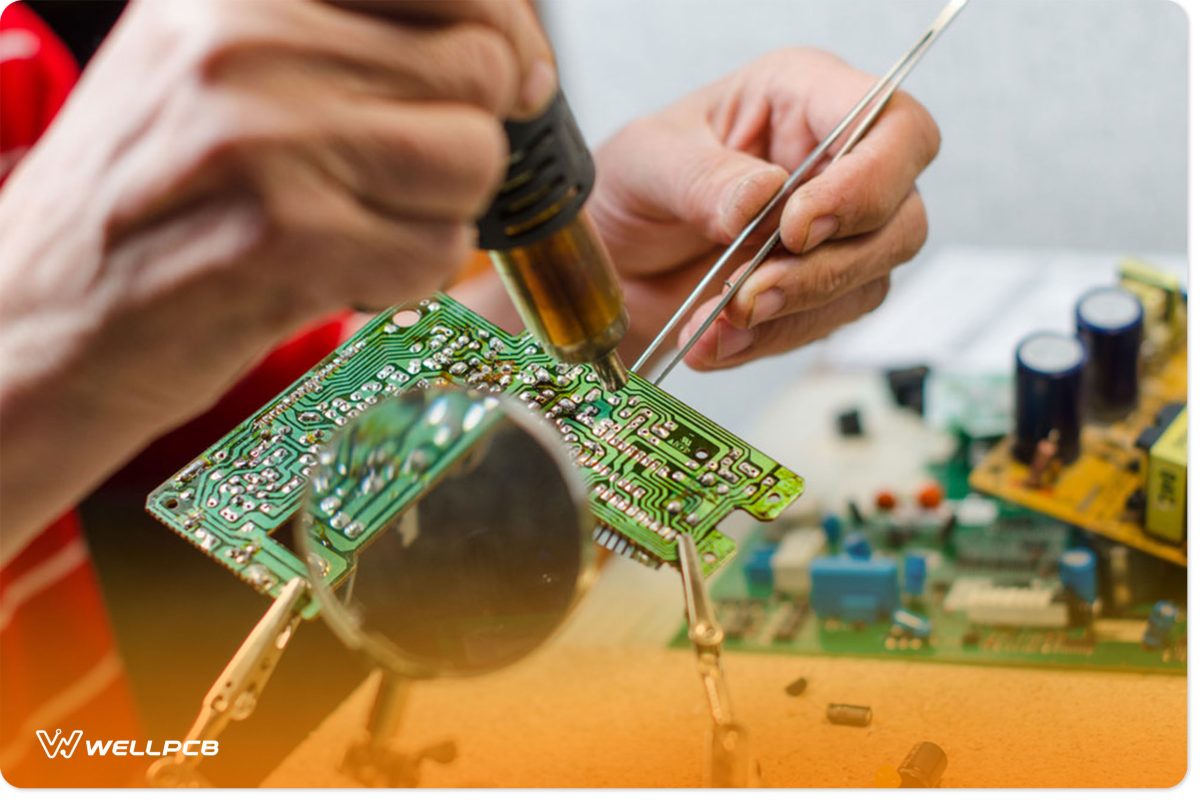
(674, 188)
(226, 172)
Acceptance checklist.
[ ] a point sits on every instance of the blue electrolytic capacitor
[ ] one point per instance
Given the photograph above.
(1159, 625)
(1049, 385)
(912, 624)
(832, 525)
(914, 574)
(1109, 322)
(1077, 571)
(857, 546)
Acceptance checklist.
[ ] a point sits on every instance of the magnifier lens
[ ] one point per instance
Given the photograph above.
(464, 526)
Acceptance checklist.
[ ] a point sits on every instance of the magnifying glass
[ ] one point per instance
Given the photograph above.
(462, 535)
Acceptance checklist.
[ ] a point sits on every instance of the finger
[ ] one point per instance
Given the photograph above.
(789, 284)
(428, 161)
(863, 189)
(310, 42)
(344, 253)
(725, 345)
(672, 174)
(514, 19)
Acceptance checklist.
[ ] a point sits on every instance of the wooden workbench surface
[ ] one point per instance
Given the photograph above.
(631, 717)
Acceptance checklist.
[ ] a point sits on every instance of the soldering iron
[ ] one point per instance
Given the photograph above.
(543, 244)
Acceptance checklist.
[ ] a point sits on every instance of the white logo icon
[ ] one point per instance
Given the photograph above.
(59, 745)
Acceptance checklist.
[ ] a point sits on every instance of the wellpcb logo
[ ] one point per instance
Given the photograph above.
(59, 745)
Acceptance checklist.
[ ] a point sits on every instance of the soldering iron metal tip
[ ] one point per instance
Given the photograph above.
(611, 371)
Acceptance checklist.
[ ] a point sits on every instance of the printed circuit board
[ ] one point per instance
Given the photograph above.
(656, 469)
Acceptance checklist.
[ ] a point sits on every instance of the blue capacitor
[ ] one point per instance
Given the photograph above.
(760, 578)
(1109, 322)
(1077, 571)
(854, 590)
(832, 525)
(1160, 624)
(914, 574)
(1049, 384)
(857, 546)
(912, 624)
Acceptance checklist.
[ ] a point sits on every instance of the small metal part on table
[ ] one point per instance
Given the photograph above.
(844, 714)
(923, 767)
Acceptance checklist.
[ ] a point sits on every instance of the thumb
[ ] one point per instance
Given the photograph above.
(672, 173)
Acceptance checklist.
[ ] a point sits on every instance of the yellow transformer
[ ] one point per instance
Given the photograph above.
(1166, 482)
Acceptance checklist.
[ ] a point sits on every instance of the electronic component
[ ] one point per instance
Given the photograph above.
(854, 590)
(914, 574)
(986, 603)
(908, 387)
(832, 525)
(906, 623)
(1049, 395)
(760, 576)
(542, 242)
(796, 687)
(1109, 323)
(844, 714)
(923, 767)
(1160, 625)
(885, 500)
(930, 496)
(656, 469)
(1077, 571)
(857, 546)
(792, 619)
(792, 560)
(1166, 482)
(849, 423)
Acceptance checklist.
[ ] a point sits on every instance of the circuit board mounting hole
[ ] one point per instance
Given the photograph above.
(406, 317)
(773, 498)
(171, 502)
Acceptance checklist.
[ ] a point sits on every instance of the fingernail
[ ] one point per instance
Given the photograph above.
(540, 85)
(820, 230)
(766, 305)
(739, 205)
(731, 341)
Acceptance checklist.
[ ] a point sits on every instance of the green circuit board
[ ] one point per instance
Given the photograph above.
(1017, 549)
(655, 469)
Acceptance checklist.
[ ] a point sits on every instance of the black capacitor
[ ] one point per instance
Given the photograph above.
(923, 766)
(1049, 387)
(1109, 321)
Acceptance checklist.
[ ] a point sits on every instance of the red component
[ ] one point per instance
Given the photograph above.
(885, 500)
(931, 495)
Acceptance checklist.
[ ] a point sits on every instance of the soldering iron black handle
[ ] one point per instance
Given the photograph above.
(550, 175)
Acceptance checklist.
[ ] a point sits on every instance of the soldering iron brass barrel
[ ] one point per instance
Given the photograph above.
(566, 290)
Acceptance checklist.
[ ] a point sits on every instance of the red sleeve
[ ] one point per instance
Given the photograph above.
(36, 75)
(285, 364)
